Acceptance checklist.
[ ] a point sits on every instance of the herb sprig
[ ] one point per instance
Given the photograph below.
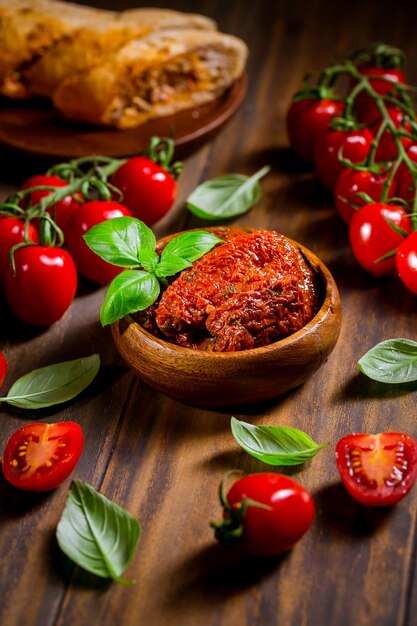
(129, 243)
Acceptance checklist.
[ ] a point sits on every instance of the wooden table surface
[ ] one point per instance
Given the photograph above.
(163, 460)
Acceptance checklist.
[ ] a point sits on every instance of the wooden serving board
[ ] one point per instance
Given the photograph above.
(35, 128)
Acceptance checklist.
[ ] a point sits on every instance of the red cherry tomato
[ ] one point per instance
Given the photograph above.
(406, 187)
(63, 208)
(148, 190)
(39, 457)
(371, 236)
(88, 263)
(308, 119)
(384, 81)
(353, 145)
(352, 182)
(3, 368)
(269, 529)
(12, 233)
(43, 285)
(377, 470)
(406, 260)
(387, 149)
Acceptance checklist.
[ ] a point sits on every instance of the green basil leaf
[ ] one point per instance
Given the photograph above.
(119, 240)
(149, 259)
(97, 534)
(53, 384)
(130, 291)
(226, 196)
(171, 265)
(275, 445)
(392, 361)
(190, 246)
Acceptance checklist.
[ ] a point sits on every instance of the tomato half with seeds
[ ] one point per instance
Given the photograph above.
(39, 457)
(377, 470)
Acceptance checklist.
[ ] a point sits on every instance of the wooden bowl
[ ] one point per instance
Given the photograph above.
(220, 379)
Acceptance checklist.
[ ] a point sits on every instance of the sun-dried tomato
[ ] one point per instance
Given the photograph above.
(248, 292)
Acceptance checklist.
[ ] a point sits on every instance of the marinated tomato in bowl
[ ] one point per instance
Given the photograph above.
(248, 292)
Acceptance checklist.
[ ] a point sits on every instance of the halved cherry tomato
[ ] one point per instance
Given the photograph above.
(265, 514)
(62, 209)
(3, 368)
(352, 182)
(88, 215)
(377, 470)
(308, 119)
(43, 284)
(11, 233)
(372, 237)
(406, 260)
(39, 457)
(353, 145)
(148, 190)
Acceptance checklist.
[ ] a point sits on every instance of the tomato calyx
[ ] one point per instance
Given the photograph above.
(229, 531)
(161, 152)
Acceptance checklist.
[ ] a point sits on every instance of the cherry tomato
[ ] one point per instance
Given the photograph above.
(387, 149)
(39, 457)
(88, 263)
(3, 368)
(352, 182)
(43, 285)
(353, 145)
(12, 233)
(148, 190)
(406, 187)
(63, 208)
(377, 470)
(384, 81)
(308, 119)
(371, 236)
(406, 260)
(270, 529)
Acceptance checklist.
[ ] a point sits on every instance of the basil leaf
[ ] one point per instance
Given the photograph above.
(130, 291)
(149, 259)
(275, 445)
(226, 196)
(53, 384)
(190, 246)
(392, 361)
(119, 240)
(97, 534)
(171, 265)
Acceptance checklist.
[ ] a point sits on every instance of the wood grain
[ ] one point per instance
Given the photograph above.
(163, 460)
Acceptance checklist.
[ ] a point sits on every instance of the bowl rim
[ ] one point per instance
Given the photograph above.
(331, 298)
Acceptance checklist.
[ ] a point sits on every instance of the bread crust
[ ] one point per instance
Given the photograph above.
(116, 93)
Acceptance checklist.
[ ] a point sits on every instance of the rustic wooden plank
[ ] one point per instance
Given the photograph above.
(163, 460)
